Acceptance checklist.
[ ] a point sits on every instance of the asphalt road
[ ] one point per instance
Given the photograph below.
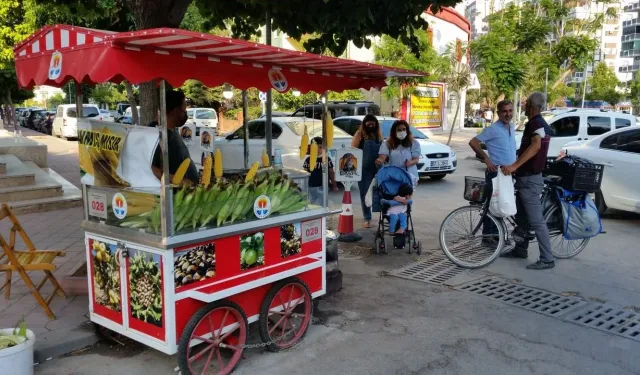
(385, 325)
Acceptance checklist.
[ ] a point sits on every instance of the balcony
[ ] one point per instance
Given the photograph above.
(630, 53)
(632, 7)
(629, 68)
(631, 37)
(632, 22)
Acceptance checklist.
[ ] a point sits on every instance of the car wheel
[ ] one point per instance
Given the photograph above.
(600, 203)
(437, 176)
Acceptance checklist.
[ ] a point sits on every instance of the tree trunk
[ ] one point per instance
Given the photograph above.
(562, 77)
(455, 120)
(150, 14)
(132, 101)
(12, 113)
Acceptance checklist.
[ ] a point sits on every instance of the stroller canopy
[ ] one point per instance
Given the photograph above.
(390, 178)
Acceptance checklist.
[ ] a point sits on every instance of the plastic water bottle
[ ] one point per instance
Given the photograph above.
(277, 158)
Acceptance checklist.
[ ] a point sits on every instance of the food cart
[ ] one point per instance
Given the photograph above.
(184, 268)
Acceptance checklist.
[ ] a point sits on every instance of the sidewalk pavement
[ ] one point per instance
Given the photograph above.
(54, 230)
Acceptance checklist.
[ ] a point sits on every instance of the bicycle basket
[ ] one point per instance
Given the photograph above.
(578, 174)
(474, 189)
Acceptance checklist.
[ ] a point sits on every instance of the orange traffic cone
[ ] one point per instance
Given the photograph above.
(345, 222)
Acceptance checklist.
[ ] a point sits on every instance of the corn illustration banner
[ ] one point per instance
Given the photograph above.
(114, 155)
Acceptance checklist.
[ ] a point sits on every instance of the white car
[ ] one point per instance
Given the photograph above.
(65, 124)
(436, 159)
(286, 135)
(106, 115)
(579, 125)
(202, 117)
(619, 152)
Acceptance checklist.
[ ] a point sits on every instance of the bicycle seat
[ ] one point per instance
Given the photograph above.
(552, 179)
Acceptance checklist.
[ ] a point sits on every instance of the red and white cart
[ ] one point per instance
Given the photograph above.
(189, 291)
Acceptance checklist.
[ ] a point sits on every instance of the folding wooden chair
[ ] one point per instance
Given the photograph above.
(25, 261)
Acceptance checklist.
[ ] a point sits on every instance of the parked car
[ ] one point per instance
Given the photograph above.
(122, 107)
(202, 117)
(277, 114)
(105, 114)
(619, 152)
(32, 118)
(22, 117)
(580, 125)
(286, 133)
(436, 159)
(65, 124)
(338, 109)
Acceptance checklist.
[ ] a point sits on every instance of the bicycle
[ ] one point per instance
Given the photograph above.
(471, 249)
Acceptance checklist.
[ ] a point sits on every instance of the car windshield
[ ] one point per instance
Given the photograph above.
(386, 129)
(104, 111)
(314, 129)
(86, 112)
(204, 114)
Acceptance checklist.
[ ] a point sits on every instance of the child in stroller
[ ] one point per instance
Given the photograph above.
(394, 186)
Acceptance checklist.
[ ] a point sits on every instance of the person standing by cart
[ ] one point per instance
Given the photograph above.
(500, 140)
(401, 149)
(532, 159)
(368, 138)
(178, 151)
(316, 190)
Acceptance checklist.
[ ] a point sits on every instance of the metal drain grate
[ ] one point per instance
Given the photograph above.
(525, 297)
(609, 318)
(435, 269)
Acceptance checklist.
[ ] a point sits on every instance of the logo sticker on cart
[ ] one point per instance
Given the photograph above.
(119, 206)
(262, 207)
(55, 65)
(278, 80)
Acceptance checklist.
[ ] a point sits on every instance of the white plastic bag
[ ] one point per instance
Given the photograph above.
(368, 198)
(503, 199)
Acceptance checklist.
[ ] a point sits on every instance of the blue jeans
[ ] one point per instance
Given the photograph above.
(316, 195)
(488, 227)
(363, 186)
(393, 221)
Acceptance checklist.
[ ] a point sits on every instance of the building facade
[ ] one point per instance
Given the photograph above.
(630, 41)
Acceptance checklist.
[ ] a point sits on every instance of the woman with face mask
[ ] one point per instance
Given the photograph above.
(368, 138)
(401, 149)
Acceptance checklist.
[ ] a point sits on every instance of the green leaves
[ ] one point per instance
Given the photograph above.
(603, 85)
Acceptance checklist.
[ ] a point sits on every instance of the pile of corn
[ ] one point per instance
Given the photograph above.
(225, 201)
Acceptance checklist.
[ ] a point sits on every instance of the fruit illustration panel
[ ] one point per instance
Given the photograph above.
(290, 243)
(106, 274)
(145, 286)
(194, 265)
(251, 250)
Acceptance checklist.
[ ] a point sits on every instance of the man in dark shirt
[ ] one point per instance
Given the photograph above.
(178, 151)
(532, 158)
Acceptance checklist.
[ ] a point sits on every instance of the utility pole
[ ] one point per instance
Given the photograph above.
(546, 88)
(267, 127)
(584, 90)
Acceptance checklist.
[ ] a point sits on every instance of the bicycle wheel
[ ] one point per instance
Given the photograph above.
(462, 246)
(561, 247)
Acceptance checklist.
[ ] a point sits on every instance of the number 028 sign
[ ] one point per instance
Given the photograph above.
(98, 205)
(311, 230)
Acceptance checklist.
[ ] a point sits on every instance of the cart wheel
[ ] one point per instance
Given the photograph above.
(285, 314)
(378, 245)
(213, 340)
(418, 247)
(385, 246)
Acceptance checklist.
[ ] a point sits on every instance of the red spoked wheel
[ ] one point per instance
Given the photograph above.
(285, 314)
(213, 340)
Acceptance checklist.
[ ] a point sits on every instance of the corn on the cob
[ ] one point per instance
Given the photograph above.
(217, 163)
(313, 156)
(206, 172)
(182, 170)
(304, 143)
(252, 172)
(329, 130)
(265, 159)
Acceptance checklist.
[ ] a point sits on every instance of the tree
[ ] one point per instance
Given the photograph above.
(603, 85)
(634, 91)
(335, 22)
(56, 100)
(457, 76)
(107, 93)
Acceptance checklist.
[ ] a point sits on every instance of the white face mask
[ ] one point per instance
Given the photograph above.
(401, 135)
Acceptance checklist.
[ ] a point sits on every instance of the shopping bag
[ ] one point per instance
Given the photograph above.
(368, 198)
(503, 199)
(580, 218)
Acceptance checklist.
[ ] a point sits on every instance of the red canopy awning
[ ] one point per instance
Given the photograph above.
(59, 53)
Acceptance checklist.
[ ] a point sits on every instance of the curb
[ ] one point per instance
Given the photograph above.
(60, 342)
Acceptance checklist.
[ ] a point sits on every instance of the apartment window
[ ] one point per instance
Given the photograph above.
(609, 45)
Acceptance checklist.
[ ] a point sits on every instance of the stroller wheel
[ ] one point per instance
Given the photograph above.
(384, 246)
(379, 245)
(418, 247)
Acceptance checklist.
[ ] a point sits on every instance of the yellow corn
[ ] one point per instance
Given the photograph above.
(329, 130)
(206, 172)
(252, 172)
(313, 156)
(265, 159)
(304, 143)
(182, 170)
(217, 164)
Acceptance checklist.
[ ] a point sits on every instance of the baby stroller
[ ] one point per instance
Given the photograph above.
(388, 181)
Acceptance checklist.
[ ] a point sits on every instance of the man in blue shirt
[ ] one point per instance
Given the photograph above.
(500, 140)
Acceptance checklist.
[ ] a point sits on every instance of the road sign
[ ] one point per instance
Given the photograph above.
(262, 96)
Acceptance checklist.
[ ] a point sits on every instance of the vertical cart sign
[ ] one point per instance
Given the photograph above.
(206, 139)
(188, 134)
(145, 286)
(105, 279)
(349, 168)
